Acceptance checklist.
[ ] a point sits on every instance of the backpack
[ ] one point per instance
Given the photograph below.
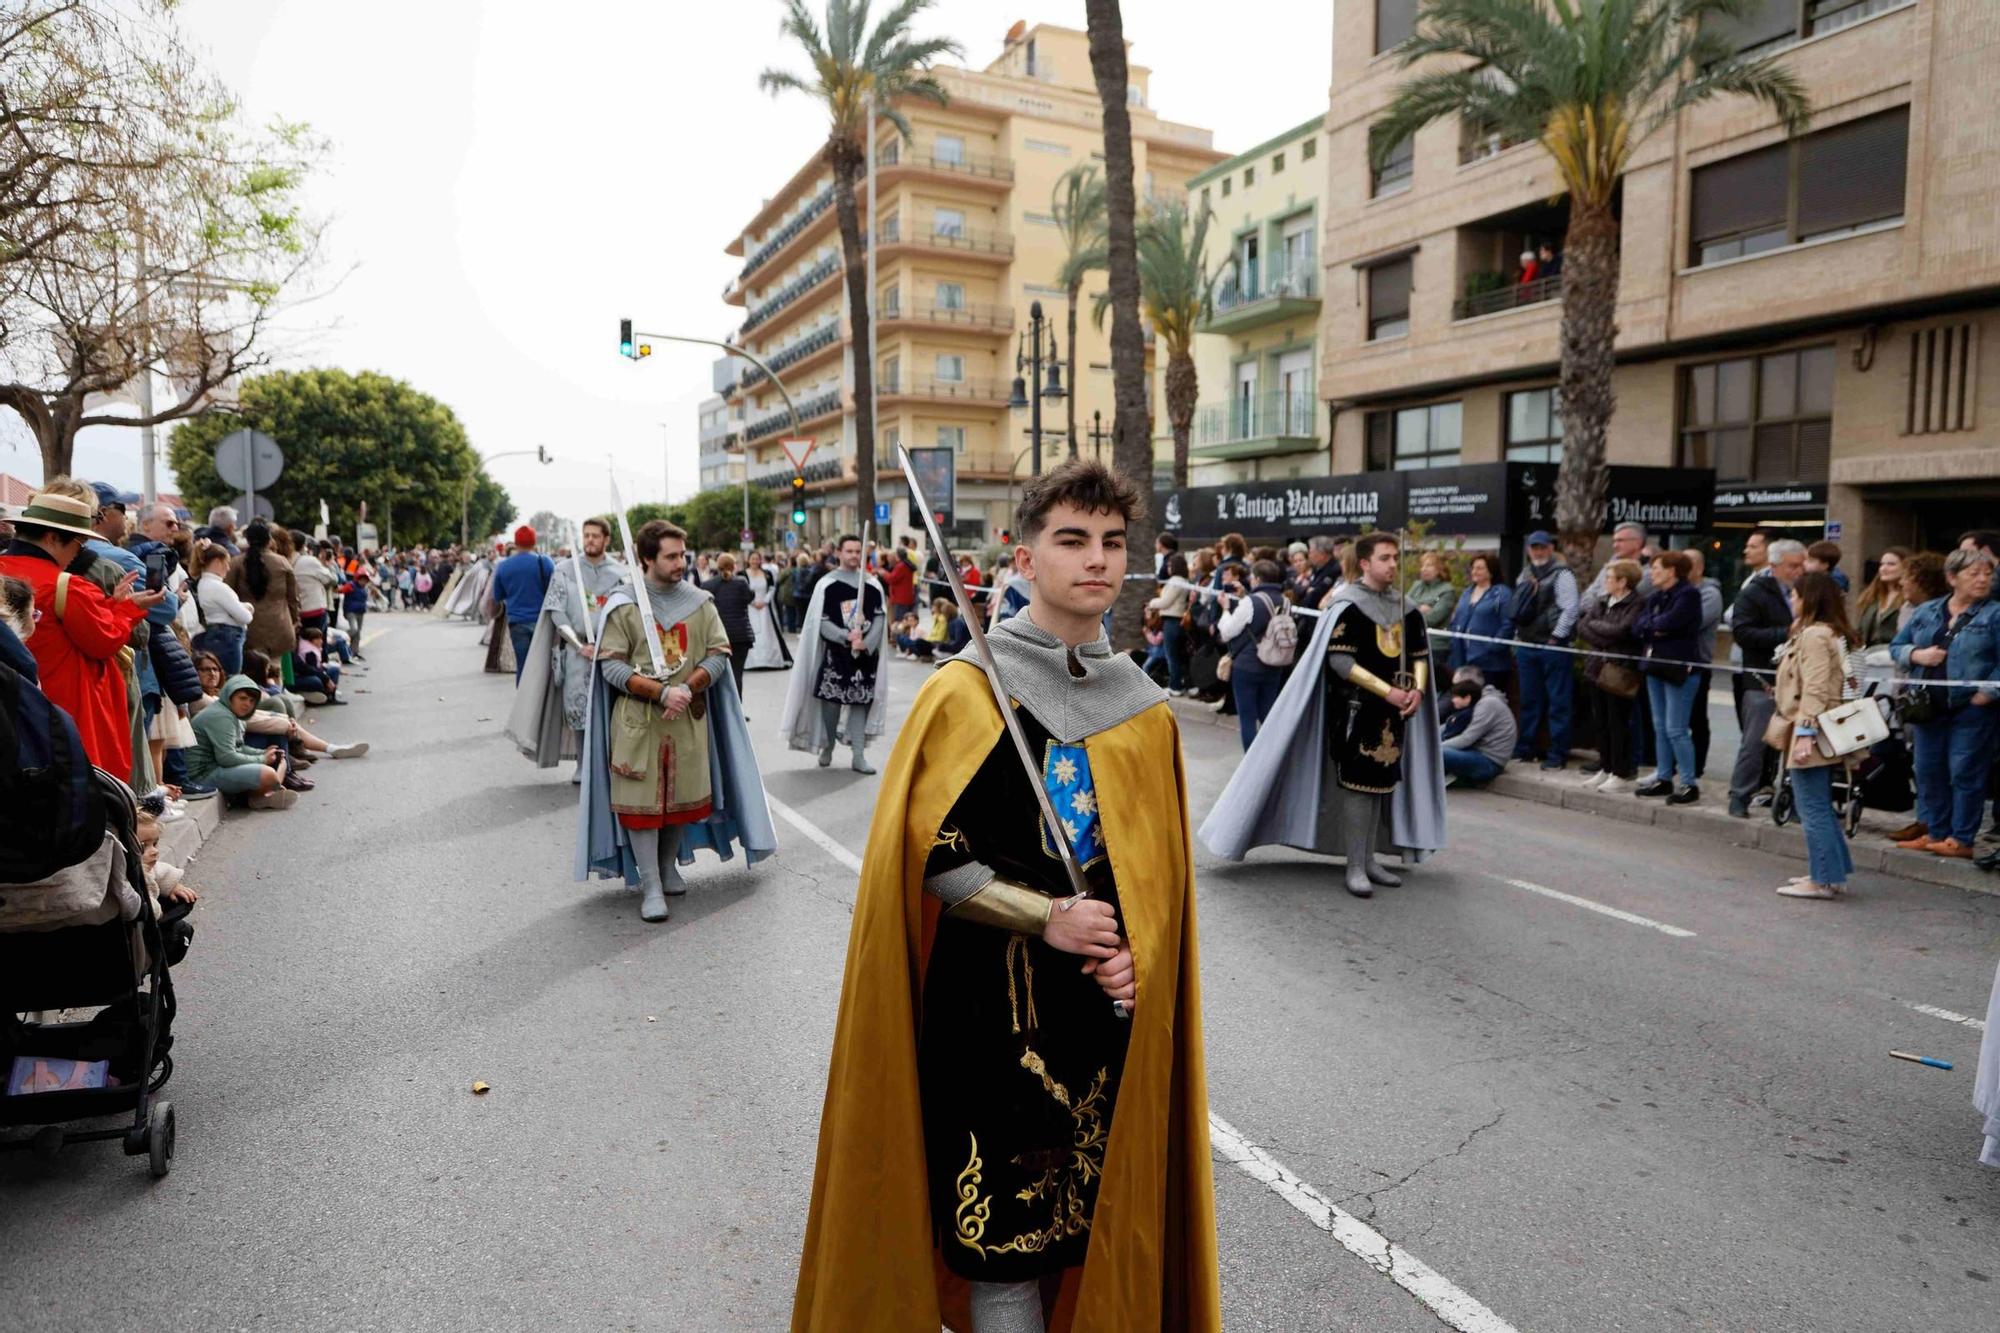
(54, 809)
(1279, 645)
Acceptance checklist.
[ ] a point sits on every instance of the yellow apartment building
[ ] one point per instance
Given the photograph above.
(1811, 317)
(1259, 416)
(966, 243)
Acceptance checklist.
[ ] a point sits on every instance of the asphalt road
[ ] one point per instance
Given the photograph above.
(1581, 1122)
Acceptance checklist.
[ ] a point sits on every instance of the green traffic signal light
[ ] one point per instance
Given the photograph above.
(625, 337)
(799, 515)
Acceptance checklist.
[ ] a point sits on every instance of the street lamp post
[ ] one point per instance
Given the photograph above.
(1052, 390)
(1098, 435)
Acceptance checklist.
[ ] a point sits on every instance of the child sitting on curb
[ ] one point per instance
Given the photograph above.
(220, 758)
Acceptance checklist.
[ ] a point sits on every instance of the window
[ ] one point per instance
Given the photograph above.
(1277, 163)
(951, 296)
(1045, 146)
(1534, 426)
(1766, 418)
(949, 149)
(1389, 300)
(890, 303)
(948, 222)
(1943, 378)
(1775, 24)
(1413, 438)
(951, 369)
(1249, 177)
(892, 374)
(1395, 23)
(1225, 187)
(1308, 150)
(1823, 184)
(952, 438)
(1204, 197)
(1393, 176)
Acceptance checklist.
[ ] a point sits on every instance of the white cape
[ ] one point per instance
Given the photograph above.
(801, 725)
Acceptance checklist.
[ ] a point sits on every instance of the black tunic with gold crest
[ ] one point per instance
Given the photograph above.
(1365, 738)
(1020, 1051)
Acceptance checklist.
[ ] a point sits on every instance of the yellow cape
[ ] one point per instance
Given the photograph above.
(870, 1261)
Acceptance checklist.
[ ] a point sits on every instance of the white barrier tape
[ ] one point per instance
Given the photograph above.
(1730, 667)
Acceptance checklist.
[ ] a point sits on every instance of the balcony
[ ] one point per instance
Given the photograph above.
(1264, 299)
(1491, 300)
(993, 245)
(1490, 267)
(777, 423)
(804, 349)
(897, 157)
(1275, 422)
(788, 233)
(797, 288)
(929, 388)
(971, 318)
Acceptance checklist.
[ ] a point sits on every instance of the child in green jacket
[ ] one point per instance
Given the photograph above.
(220, 758)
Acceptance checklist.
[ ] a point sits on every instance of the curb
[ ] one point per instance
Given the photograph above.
(1869, 850)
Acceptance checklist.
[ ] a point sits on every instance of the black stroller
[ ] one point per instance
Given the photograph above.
(84, 967)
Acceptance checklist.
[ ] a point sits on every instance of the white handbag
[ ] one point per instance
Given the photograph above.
(1850, 727)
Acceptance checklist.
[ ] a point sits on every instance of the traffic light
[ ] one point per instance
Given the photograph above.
(799, 498)
(624, 337)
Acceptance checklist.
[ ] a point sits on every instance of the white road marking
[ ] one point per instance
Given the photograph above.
(826, 841)
(1976, 1024)
(1436, 1293)
(1632, 918)
(1431, 1288)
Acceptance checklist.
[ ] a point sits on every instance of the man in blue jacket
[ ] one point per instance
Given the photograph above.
(520, 583)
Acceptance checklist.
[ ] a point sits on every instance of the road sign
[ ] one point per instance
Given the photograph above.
(249, 460)
(747, 537)
(1833, 529)
(246, 510)
(881, 512)
(366, 537)
(791, 539)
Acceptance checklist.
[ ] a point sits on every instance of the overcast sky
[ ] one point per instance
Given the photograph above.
(508, 179)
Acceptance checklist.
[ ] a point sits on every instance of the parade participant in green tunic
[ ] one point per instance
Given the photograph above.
(659, 763)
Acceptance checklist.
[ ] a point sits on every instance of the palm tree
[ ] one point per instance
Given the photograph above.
(1588, 79)
(1176, 292)
(1131, 415)
(1078, 207)
(857, 73)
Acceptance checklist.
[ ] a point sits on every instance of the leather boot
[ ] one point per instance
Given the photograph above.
(1357, 829)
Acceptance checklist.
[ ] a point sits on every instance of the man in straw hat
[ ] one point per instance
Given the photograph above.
(81, 629)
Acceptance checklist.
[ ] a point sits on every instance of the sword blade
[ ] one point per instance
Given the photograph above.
(639, 597)
(1057, 834)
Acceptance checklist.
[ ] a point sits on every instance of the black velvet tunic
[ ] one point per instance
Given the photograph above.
(1365, 740)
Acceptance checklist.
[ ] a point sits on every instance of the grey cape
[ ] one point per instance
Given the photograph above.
(1282, 792)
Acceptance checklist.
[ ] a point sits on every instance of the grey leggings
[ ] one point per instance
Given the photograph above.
(857, 724)
(657, 851)
(1007, 1307)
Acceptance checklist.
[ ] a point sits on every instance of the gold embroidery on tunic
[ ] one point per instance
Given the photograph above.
(1384, 751)
(969, 1220)
(951, 839)
(1061, 1183)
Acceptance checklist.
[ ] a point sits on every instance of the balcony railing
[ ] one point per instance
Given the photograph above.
(984, 318)
(959, 239)
(1298, 285)
(792, 355)
(1478, 144)
(776, 422)
(897, 153)
(1513, 296)
(798, 287)
(930, 386)
(785, 234)
(1265, 416)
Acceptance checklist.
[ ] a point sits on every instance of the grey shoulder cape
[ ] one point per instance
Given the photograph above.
(739, 813)
(1280, 792)
(1034, 665)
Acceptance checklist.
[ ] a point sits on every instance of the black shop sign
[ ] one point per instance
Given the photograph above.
(1761, 499)
(1670, 501)
(1267, 511)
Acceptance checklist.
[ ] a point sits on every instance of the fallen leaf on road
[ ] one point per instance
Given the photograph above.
(480, 1089)
(482, 719)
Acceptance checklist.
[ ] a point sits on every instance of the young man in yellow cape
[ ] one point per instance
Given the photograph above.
(1002, 1150)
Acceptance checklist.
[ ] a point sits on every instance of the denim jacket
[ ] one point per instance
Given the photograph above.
(1974, 653)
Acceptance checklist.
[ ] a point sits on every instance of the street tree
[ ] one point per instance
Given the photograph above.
(858, 72)
(1176, 292)
(714, 518)
(1588, 80)
(164, 264)
(1077, 205)
(348, 438)
(1131, 417)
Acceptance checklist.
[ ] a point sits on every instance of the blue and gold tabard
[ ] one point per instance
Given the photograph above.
(1066, 778)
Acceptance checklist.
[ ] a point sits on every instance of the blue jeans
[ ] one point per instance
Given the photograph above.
(522, 635)
(1673, 742)
(226, 642)
(1951, 758)
(1827, 857)
(1174, 639)
(1547, 689)
(1469, 765)
(1256, 688)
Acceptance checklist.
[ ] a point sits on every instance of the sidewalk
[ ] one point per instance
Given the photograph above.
(1710, 818)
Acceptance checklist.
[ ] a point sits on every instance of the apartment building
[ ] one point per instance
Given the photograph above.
(1811, 318)
(1260, 416)
(720, 465)
(966, 243)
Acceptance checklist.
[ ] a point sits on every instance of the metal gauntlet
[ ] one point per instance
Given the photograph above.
(1368, 680)
(1008, 906)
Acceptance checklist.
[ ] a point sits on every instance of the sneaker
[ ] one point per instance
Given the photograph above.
(351, 750)
(1761, 801)
(294, 782)
(1615, 785)
(1806, 889)
(1657, 787)
(1686, 795)
(280, 799)
(313, 697)
(1595, 780)
(196, 791)
(1554, 765)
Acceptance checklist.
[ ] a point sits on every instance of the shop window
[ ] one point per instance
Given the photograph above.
(1413, 438)
(1820, 185)
(1765, 418)
(1534, 426)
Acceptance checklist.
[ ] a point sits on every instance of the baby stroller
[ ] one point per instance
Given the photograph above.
(115, 1061)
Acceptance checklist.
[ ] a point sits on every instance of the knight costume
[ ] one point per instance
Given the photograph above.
(553, 694)
(833, 675)
(990, 1122)
(1336, 769)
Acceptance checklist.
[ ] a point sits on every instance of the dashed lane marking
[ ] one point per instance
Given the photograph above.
(1432, 1289)
(1616, 914)
(1950, 1016)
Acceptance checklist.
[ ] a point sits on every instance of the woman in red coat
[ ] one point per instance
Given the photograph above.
(80, 630)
